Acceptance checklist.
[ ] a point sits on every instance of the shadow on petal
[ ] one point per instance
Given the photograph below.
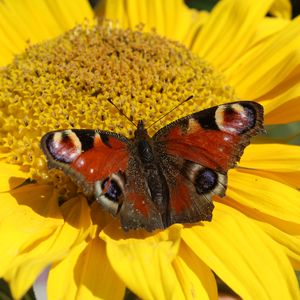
(42, 199)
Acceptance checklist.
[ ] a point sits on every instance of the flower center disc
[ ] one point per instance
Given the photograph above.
(66, 83)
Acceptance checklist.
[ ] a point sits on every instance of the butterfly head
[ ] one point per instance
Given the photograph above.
(141, 131)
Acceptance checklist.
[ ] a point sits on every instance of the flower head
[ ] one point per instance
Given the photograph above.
(66, 82)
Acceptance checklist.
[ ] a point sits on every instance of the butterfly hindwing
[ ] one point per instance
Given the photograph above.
(138, 210)
(191, 196)
(190, 189)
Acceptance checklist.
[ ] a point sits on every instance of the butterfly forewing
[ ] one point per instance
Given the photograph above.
(89, 157)
(214, 137)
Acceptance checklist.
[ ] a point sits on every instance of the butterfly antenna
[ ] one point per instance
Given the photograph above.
(121, 111)
(187, 99)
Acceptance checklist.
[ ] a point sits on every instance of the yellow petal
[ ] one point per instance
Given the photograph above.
(291, 179)
(156, 10)
(137, 13)
(93, 276)
(290, 243)
(149, 13)
(35, 21)
(114, 10)
(61, 282)
(68, 13)
(275, 161)
(289, 227)
(267, 27)
(9, 24)
(283, 106)
(29, 213)
(11, 176)
(8, 47)
(265, 195)
(34, 16)
(180, 21)
(243, 256)
(100, 219)
(163, 16)
(39, 200)
(190, 36)
(38, 252)
(268, 64)
(227, 33)
(281, 9)
(197, 280)
(275, 157)
(145, 264)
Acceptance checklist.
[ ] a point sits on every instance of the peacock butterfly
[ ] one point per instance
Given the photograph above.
(153, 182)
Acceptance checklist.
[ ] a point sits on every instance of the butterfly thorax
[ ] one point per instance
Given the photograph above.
(150, 169)
(143, 143)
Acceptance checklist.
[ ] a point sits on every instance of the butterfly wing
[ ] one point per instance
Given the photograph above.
(95, 160)
(214, 137)
(138, 209)
(202, 147)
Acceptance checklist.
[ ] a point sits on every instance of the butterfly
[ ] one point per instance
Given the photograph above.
(154, 182)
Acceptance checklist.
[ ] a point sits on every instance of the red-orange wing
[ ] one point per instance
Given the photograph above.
(86, 155)
(215, 137)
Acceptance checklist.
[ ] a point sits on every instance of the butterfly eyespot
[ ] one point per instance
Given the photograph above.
(109, 191)
(65, 146)
(235, 118)
(205, 181)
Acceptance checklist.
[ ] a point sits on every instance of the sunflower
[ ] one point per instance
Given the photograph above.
(241, 50)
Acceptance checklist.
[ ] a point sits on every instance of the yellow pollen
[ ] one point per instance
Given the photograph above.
(67, 83)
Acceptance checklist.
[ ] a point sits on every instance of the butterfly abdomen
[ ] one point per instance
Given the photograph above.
(154, 179)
